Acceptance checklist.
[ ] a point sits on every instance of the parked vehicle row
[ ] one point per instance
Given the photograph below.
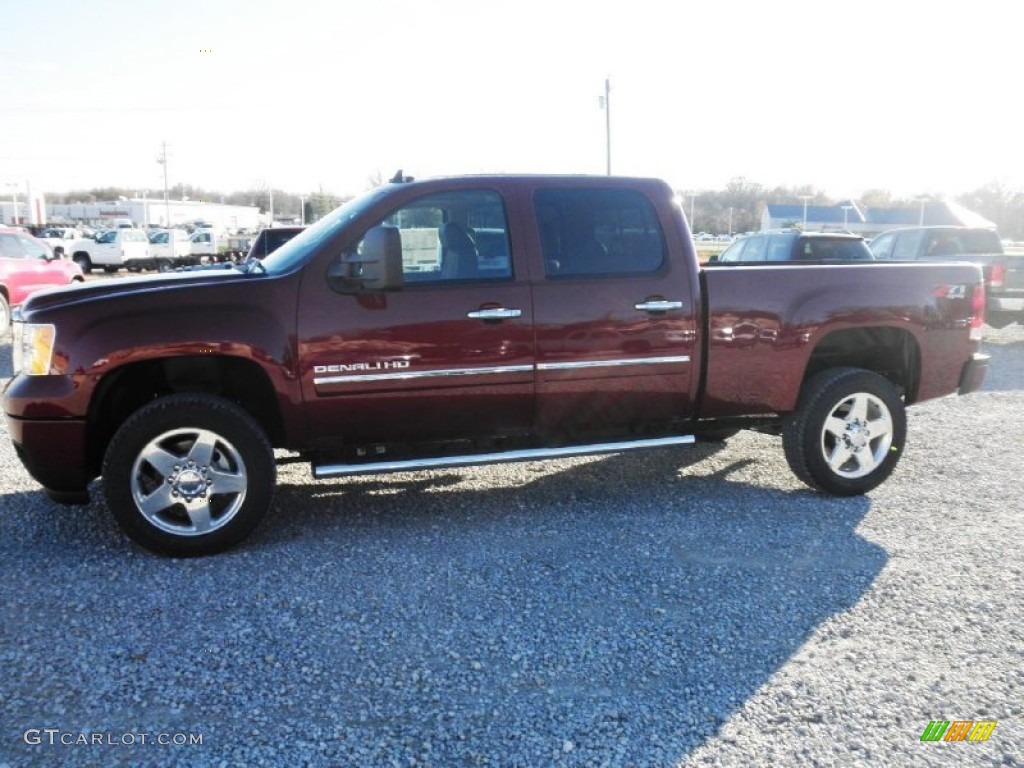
(166, 249)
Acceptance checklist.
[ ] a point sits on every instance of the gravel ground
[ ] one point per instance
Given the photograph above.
(695, 607)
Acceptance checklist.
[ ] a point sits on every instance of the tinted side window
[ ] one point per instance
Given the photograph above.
(975, 241)
(33, 249)
(734, 252)
(9, 248)
(837, 250)
(755, 250)
(907, 244)
(598, 232)
(779, 248)
(450, 236)
(882, 245)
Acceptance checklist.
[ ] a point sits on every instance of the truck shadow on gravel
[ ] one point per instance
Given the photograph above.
(6, 360)
(612, 610)
(616, 609)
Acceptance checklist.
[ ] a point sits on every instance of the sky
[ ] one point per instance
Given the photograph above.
(912, 97)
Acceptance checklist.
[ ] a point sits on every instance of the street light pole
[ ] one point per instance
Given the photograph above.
(693, 200)
(608, 124)
(730, 221)
(846, 215)
(805, 198)
(167, 205)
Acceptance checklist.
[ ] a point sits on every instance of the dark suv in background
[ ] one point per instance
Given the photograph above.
(796, 246)
(1004, 273)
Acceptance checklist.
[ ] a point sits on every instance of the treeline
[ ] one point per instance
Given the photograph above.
(747, 202)
(741, 203)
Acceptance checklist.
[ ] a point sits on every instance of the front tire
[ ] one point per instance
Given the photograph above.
(189, 474)
(83, 262)
(847, 433)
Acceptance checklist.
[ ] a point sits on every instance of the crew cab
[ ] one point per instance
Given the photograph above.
(112, 249)
(545, 317)
(1004, 274)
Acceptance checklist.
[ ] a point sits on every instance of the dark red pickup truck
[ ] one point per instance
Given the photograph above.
(462, 321)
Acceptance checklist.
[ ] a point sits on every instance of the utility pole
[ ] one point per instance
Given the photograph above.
(805, 198)
(167, 205)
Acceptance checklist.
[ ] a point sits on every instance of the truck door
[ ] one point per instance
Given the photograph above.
(107, 251)
(450, 355)
(616, 316)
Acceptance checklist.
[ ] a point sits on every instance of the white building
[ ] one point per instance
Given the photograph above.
(153, 212)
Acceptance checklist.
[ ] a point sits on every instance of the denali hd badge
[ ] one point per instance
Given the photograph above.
(380, 365)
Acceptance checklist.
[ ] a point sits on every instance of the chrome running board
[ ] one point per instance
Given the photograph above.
(321, 471)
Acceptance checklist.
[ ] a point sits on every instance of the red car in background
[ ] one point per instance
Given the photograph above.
(28, 265)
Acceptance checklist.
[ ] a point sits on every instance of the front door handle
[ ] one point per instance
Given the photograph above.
(659, 305)
(494, 313)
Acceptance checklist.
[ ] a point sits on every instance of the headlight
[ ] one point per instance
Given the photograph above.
(33, 348)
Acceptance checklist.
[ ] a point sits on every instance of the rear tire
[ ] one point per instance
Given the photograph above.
(847, 433)
(110, 269)
(189, 474)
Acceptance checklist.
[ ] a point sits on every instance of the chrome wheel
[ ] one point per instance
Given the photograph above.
(847, 433)
(857, 435)
(189, 482)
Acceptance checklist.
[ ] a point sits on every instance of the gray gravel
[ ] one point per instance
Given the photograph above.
(695, 607)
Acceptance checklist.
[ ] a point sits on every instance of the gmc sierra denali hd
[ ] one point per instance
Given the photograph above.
(461, 321)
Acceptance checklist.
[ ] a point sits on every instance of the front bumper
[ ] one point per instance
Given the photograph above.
(973, 374)
(53, 451)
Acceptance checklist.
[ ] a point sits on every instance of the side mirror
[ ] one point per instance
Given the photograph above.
(376, 266)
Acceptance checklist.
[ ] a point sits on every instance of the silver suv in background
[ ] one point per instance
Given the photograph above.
(795, 246)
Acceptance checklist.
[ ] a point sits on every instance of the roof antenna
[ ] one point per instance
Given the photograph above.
(398, 178)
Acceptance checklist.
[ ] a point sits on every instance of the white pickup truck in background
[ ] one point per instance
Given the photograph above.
(111, 249)
(58, 238)
(204, 242)
(169, 248)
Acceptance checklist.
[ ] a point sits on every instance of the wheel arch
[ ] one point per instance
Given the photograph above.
(123, 391)
(886, 350)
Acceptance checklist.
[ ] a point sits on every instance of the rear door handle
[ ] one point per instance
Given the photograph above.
(494, 313)
(658, 306)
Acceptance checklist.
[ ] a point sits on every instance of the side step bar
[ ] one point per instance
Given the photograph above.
(321, 471)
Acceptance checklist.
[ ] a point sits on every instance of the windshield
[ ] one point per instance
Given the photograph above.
(294, 252)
